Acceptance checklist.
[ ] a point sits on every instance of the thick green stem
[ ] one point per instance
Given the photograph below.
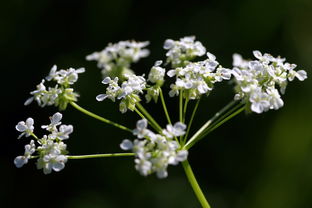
(148, 116)
(191, 121)
(75, 105)
(164, 105)
(196, 188)
(99, 155)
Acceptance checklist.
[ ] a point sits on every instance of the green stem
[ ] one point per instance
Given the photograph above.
(217, 115)
(213, 127)
(142, 116)
(149, 117)
(184, 109)
(99, 155)
(164, 105)
(193, 182)
(202, 134)
(33, 135)
(75, 105)
(191, 121)
(181, 106)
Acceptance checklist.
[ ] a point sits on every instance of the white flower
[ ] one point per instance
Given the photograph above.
(154, 152)
(141, 129)
(19, 161)
(37, 94)
(116, 58)
(26, 128)
(258, 81)
(111, 91)
(126, 144)
(52, 162)
(274, 98)
(63, 132)
(176, 130)
(64, 77)
(259, 101)
(157, 74)
(55, 121)
(181, 52)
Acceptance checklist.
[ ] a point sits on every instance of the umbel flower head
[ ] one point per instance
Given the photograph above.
(154, 152)
(127, 93)
(51, 150)
(115, 60)
(59, 95)
(259, 82)
(197, 78)
(181, 52)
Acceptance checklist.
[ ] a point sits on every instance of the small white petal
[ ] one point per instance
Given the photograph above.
(126, 144)
(101, 97)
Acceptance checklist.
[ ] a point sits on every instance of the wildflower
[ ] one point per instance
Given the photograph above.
(154, 152)
(115, 59)
(157, 74)
(19, 161)
(128, 92)
(59, 95)
(51, 149)
(26, 128)
(55, 121)
(176, 130)
(258, 82)
(197, 78)
(181, 52)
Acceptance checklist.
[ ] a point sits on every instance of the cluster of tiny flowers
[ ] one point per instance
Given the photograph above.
(156, 77)
(115, 59)
(197, 78)
(50, 149)
(181, 52)
(59, 95)
(128, 92)
(258, 81)
(154, 152)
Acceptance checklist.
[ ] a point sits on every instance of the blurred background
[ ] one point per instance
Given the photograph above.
(251, 161)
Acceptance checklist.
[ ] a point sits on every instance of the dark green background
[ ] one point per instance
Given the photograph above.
(253, 161)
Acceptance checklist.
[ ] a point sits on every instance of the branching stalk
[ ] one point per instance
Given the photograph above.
(75, 105)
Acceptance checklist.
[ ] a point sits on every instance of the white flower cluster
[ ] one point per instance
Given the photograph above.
(156, 77)
(128, 92)
(115, 59)
(59, 95)
(154, 152)
(257, 81)
(181, 52)
(51, 148)
(197, 78)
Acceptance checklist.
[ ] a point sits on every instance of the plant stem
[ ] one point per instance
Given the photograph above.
(181, 106)
(143, 117)
(75, 105)
(196, 188)
(164, 105)
(191, 121)
(202, 132)
(33, 135)
(149, 117)
(213, 127)
(99, 155)
(184, 109)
